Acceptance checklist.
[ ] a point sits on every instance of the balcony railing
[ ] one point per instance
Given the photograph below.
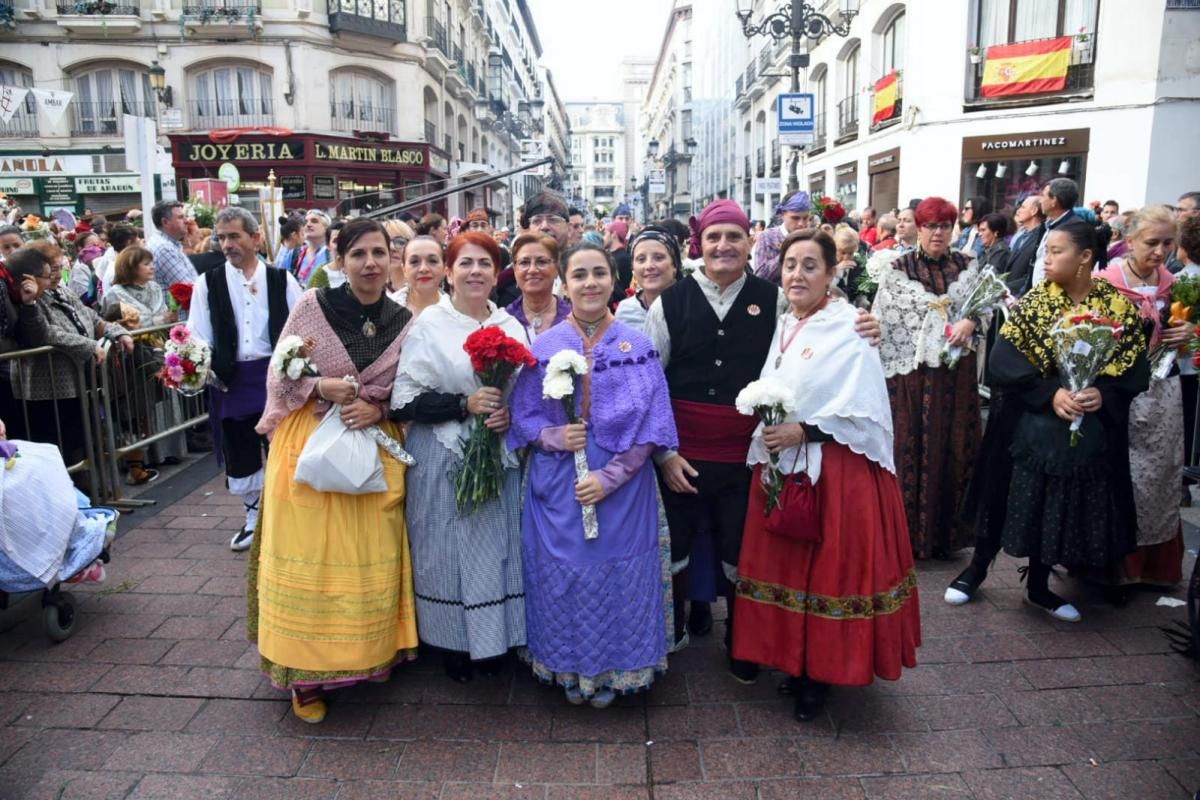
(741, 86)
(761, 163)
(21, 125)
(231, 113)
(457, 54)
(382, 18)
(818, 133)
(1081, 75)
(349, 117)
(750, 73)
(746, 175)
(449, 144)
(764, 59)
(437, 34)
(105, 118)
(7, 16)
(430, 132)
(848, 118)
(222, 10)
(775, 158)
(100, 8)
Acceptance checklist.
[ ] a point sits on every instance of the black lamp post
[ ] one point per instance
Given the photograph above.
(796, 20)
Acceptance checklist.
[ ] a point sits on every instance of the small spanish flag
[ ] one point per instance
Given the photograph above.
(887, 91)
(1026, 67)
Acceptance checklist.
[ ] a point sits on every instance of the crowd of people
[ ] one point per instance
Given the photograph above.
(808, 523)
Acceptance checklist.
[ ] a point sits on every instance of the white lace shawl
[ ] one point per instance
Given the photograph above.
(39, 510)
(433, 360)
(840, 388)
(913, 319)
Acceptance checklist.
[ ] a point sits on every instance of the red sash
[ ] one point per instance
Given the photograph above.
(710, 432)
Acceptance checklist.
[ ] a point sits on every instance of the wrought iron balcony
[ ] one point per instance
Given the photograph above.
(819, 139)
(21, 125)
(349, 117)
(231, 112)
(741, 86)
(847, 118)
(382, 18)
(437, 35)
(106, 117)
(1080, 81)
(775, 158)
(430, 132)
(102, 8)
(761, 163)
(222, 10)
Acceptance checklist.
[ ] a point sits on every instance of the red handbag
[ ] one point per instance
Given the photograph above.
(798, 515)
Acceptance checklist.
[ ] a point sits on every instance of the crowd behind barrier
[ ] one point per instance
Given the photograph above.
(122, 410)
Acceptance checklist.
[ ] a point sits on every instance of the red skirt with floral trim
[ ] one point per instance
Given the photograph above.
(842, 611)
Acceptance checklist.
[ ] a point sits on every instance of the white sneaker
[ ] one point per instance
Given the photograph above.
(681, 643)
(574, 696)
(603, 698)
(241, 540)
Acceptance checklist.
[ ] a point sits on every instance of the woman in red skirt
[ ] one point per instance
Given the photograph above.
(834, 602)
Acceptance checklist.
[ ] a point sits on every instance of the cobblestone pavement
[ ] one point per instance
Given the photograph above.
(158, 696)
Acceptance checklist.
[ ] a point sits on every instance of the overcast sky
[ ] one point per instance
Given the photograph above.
(583, 44)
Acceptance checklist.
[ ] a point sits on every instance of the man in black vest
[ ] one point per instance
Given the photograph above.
(239, 308)
(713, 331)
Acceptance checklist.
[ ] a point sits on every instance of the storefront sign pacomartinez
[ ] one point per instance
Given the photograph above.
(368, 154)
(1022, 144)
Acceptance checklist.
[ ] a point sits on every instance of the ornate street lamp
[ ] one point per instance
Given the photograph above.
(158, 82)
(796, 20)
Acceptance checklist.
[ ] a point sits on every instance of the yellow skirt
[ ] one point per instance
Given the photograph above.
(334, 577)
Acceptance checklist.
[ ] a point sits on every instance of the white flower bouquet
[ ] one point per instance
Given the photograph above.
(989, 292)
(1084, 344)
(561, 383)
(771, 401)
(186, 362)
(290, 359)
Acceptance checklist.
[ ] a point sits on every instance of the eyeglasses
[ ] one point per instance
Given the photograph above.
(399, 241)
(938, 226)
(541, 264)
(49, 276)
(478, 225)
(546, 219)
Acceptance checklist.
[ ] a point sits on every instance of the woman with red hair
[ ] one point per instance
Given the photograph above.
(466, 564)
(935, 407)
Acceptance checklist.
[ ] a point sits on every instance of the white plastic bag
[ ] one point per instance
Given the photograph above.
(335, 459)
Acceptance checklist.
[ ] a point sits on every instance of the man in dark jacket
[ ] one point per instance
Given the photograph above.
(1024, 245)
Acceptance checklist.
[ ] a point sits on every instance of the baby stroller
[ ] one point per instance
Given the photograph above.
(49, 533)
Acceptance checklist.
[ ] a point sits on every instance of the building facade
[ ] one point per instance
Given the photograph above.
(351, 105)
(598, 149)
(635, 78)
(953, 128)
(668, 126)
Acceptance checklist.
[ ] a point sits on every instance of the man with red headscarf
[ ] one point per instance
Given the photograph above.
(712, 331)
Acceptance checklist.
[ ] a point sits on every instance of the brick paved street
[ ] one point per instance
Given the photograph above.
(158, 696)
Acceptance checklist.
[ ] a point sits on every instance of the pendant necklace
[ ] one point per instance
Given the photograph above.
(800, 323)
(535, 317)
(368, 329)
(589, 328)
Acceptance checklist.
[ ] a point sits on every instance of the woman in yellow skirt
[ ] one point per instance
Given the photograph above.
(331, 594)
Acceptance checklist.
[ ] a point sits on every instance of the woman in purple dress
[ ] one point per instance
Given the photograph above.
(598, 610)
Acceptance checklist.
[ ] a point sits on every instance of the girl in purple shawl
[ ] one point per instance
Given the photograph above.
(598, 611)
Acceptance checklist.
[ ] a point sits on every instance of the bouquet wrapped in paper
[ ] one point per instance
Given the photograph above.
(989, 292)
(186, 362)
(1083, 346)
(561, 383)
(771, 401)
(495, 357)
(1185, 307)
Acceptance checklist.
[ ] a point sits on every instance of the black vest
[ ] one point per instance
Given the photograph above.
(220, 310)
(712, 360)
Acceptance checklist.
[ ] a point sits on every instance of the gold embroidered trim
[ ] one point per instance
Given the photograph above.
(852, 607)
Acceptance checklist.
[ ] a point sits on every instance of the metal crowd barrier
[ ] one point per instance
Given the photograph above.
(123, 411)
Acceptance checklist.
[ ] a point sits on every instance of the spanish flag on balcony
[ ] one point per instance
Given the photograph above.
(1026, 67)
(887, 92)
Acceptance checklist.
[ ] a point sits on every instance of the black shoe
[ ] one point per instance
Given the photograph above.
(700, 619)
(962, 589)
(743, 671)
(242, 539)
(810, 702)
(789, 686)
(458, 667)
(490, 667)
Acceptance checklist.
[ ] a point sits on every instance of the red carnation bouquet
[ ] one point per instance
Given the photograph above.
(179, 296)
(828, 209)
(495, 358)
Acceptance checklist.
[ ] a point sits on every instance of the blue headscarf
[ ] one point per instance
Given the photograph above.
(798, 203)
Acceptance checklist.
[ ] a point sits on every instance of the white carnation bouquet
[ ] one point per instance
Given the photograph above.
(771, 401)
(561, 383)
(290, 359)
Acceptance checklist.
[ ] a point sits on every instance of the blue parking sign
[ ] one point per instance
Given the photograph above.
(796, 119)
